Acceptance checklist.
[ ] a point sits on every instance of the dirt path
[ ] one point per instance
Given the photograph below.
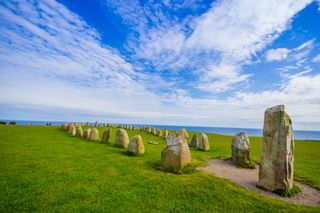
(249, 177)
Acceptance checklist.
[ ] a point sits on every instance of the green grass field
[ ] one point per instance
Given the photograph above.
(45, 169)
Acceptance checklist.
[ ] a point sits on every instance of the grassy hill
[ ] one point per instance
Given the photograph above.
(45, 169)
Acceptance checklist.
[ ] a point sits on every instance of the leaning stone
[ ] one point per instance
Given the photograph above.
(122, 138)
(106, 136)
(94, 134)
(241, 150)
(194, 141)
(204, 142)
(136, 145)
(276, 162)
(176, 155)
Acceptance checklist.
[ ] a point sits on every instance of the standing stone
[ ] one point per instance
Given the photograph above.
(96, 123)
(241, 150)
(122, 138)
(276, 163)
(94, 134)
(176, 155)
(204, 142)
(166, 133)
(69, 127)
(185, 132)
(154, 131)
(64, 126)
(86, 133)
(194, 141)
(136, 145)
(106, 136)
(73, 130)
(79, 131)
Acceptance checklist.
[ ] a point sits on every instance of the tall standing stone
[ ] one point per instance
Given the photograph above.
(241, 150)
(194, 141)
(122, 138)
(136, 145)
(106, 136)
(176, 155)
(276, 163)
(204, 142)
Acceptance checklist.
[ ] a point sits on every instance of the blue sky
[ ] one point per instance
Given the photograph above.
(201, 63)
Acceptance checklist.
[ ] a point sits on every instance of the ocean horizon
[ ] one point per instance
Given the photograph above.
(231, 131)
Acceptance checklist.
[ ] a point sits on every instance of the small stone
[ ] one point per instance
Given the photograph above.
(241, 150)
(136, 145)
(94, 134)
(204, 142)
(122, 138)
(153, 143)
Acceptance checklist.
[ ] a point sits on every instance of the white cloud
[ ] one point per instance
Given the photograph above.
(316, 58)
(229, 34)
(278, 54)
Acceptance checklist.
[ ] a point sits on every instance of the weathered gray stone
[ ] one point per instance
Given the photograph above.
(276, 163)
(176, 155)
(96, 123)
(194, 141)
(94, 134)
(241, 150)
(136, 145)
(106, 136)
(204, 142)
(122, 138)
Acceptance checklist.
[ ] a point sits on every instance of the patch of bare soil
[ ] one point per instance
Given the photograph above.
(248, 178)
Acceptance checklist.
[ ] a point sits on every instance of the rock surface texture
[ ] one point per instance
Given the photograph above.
(122, 138)
(276, 163)
(176, 155)
(136, 145)
(241, 150)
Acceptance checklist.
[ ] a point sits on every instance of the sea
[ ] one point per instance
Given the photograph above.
(298, 134)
